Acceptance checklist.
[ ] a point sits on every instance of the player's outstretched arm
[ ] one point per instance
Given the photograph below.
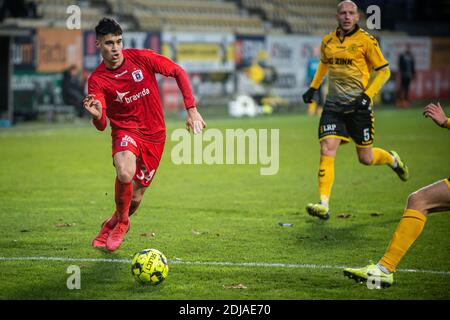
(194, 121)
(437, 114)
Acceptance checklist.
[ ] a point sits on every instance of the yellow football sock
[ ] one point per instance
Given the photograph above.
(326, 177)
(312, 108)
(408, 230)
(381, 156)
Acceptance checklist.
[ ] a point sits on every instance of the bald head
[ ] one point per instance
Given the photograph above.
(347, 15)
(347, 3)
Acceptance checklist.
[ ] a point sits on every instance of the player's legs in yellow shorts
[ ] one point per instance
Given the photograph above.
(338, 127)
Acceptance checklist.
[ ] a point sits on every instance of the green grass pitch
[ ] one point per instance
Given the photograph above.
(56, 187)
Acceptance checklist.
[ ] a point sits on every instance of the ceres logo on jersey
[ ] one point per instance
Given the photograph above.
(137, 75)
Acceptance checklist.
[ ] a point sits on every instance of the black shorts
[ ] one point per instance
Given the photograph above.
(357, 125)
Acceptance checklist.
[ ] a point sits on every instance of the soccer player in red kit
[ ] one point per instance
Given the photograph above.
(123, 88)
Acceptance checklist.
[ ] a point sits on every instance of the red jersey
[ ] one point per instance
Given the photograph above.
(130, 95)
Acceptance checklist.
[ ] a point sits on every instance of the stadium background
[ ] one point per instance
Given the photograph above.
(229, 48)
(220, 226)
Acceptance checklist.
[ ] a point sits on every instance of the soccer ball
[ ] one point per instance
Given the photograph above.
(149, 266)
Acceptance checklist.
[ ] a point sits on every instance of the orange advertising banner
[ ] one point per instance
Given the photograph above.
(58, 49)
(440, 52)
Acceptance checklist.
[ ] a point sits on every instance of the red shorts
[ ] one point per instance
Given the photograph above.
(148, 154)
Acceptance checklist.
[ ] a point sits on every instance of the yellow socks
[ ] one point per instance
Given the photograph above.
(312, 108)
(408, 230)
(326, 177)
(381, 156)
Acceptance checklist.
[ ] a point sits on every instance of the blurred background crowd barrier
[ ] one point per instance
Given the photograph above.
(244, 58)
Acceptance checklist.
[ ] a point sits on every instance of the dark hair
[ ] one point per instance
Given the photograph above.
(108, 26)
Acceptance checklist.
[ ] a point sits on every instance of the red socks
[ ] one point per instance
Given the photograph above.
(123, 195)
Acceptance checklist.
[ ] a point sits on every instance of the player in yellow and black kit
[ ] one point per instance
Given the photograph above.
(432, 198)
(348, 56)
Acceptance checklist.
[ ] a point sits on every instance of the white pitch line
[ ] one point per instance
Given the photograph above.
(211, 263)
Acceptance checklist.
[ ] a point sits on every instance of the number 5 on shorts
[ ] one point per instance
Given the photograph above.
(366, 133)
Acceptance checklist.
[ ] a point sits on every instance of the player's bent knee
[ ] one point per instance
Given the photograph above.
(365, 160)
(417, 201)
(125, 166)
(125, 175)
(326, 150)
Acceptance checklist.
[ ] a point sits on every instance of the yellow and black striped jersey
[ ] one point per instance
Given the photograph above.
(349, 60)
